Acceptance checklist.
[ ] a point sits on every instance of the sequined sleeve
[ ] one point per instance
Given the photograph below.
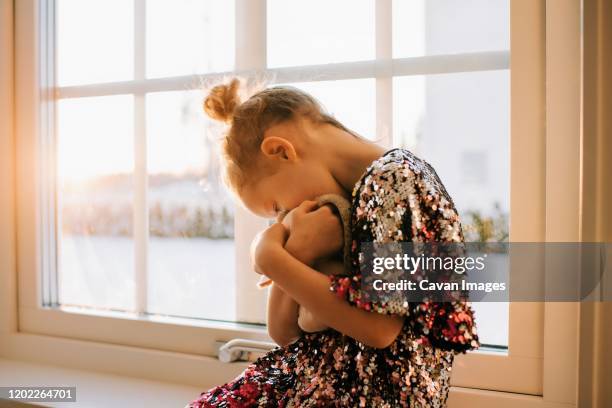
(401, 198)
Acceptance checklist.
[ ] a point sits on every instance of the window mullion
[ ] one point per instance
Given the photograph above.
(422, 65)
(250, 55)
(251, 38)
(141, 213)
(384, 77)
(48, 215)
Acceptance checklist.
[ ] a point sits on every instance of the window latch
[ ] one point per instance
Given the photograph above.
(242, 349)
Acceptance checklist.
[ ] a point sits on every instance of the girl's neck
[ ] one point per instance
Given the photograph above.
(346, 156)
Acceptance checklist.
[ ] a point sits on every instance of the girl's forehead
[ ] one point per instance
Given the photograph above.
(257, 198)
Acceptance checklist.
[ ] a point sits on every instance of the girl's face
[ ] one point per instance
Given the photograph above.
(288, 188)
(299, 174)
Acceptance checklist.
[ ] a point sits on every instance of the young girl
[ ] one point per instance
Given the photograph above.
(280, 152)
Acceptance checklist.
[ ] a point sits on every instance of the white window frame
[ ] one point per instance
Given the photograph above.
(97, 341)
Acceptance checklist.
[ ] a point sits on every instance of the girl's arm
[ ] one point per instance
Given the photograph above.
(282, 316)
(310, 289)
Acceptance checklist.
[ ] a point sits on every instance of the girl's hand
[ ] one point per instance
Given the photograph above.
(265, 243)
(314, 232)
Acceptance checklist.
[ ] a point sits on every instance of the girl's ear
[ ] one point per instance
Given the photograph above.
(275, 147)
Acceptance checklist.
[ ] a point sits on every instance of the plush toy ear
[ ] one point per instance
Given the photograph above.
(343, 210)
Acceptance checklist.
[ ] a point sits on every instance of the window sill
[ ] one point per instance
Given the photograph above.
(96, 389)
(118, 360)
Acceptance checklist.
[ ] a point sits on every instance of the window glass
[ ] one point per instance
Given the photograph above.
(95, 193)
(191, 214)
(95, 41)
(187, 37)
(433, 27)
(319, 31)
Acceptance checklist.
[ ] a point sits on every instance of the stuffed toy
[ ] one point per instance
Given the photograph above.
(331, 265)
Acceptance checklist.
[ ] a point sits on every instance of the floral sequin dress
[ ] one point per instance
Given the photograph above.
(398, 198)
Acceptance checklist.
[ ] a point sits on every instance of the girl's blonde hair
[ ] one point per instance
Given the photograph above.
(249, 120)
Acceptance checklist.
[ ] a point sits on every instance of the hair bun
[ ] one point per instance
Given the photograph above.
(222, 100)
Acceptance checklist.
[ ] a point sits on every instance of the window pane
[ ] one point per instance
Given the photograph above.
(191, 222)
(431, 27)
(460, 124)
(351, 101)
(95, 150)
(313, 32)
(95, 41)
(189, 37)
